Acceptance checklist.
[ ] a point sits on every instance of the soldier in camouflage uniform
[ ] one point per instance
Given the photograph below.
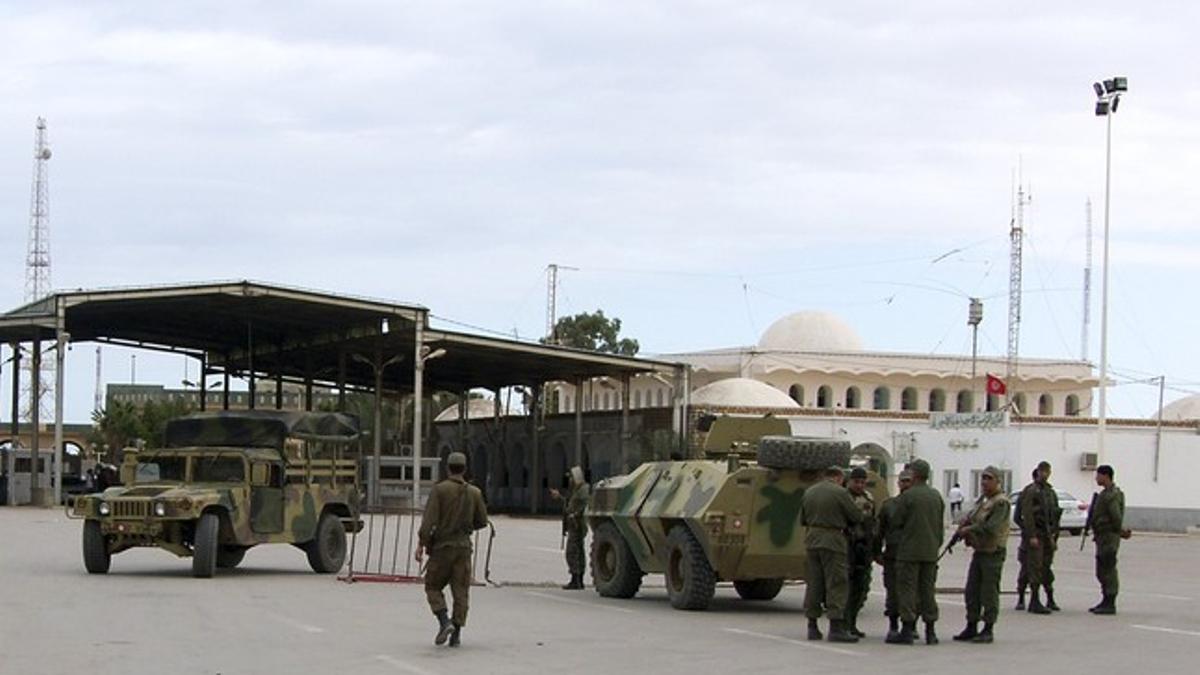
(574, 526)
(862, 543)
(827, 511)
(985, 530)
(1106, 518)
(886, 545)
(1037, 507)
(454, 511)
(919, 517)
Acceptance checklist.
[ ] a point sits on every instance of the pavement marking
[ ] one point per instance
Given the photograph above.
(791, 641)
(1173, 631)
(296, 624)
(570, 601)
(543, 549)
(401, 665)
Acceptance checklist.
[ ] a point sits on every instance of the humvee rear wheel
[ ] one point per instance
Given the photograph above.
(758, 589)
(327, 551)
(204, 546)
(805, 454)
(615, 572)
(691, 581)
(96, 557)
(229, 557)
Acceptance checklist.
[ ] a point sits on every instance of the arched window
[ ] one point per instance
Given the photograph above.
(661, 398)
(966, 401)
(1072, 406)
(824, 397)
(1019, 404)
(797, 393)
(595, 401)
(607, 400)
(908, 398)
(937, 400)
(637, 398)
(883, 398)
(1045, 404)
(853, 398)
(993, 402)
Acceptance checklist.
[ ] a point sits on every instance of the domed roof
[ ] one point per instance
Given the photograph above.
(810, 332)
(743, 393)
(1187, 408)
(477, 408)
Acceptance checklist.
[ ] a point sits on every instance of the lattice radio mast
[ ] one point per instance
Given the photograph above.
(1087, 289)
(1016, 235)
(552, 301)
(37, 265)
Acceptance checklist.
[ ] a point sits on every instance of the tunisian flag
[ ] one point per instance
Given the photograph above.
(995, 385)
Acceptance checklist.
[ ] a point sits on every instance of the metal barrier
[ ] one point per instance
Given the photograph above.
(390, 530)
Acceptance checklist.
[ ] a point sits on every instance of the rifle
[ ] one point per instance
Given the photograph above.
(950, 546)
(1087, 524)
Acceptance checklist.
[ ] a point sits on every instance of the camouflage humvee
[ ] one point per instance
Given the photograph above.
(228, 481)
(724, 518)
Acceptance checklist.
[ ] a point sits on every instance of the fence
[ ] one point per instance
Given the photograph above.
(390, 535)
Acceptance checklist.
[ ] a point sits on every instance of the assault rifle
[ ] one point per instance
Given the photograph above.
(954, 539)
(1087, 524)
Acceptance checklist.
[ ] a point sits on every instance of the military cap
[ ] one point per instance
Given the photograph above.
(456, 459)
(1043, 465)
(919, 468)
(1105, 469)
(992, 471)
(858, 472)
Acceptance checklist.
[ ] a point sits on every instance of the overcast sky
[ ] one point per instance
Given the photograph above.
(707, 166)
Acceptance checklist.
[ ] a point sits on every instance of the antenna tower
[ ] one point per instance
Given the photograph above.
(1016, 234)
(37, 266)
(1087, 289)
(552, 301)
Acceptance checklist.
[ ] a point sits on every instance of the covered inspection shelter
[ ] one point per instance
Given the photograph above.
(275, 334)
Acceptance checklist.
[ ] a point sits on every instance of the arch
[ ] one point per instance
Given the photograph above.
(965, 401)
(478, 468)
(1072, 405)
(518, 476)
(937, 400)
(554, 469)
(825, 397)
(1045, 404)
(637, 398)
(853, 398)
(993, 402)
(659, 398)
(908, 398)
(796, 392)
(1019, 403)
(882, 399)
(607, 400)
(878, 459)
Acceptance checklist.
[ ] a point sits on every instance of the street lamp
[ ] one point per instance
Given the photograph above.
(1108, 99)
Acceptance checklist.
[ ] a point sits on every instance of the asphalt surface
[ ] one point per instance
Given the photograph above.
(273, 615)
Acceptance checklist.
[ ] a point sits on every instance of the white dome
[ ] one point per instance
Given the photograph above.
(743, 393)
(810, 332)
(477, 408)
(1187, 408)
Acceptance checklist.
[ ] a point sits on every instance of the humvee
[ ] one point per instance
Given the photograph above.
(227, 481)
(732, 516)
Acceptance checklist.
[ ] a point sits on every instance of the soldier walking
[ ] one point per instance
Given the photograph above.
(986, 531)
(454, 511)
(1106, 518)
(888, 542)
(574, 526)
(1037, 507)
(919, 517)
(827, 511)
(862, 544)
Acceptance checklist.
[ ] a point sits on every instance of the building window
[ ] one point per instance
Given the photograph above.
(1019, 404)
(797, 393)
(883, 398)
(1046, 404)
(977, 482)
(949, 480)
(853, 398)
(607, 400)
(595, 400)
(1072, 406)
(824, 397)
(965, 402)
(637, 398)
(908, 398)
(661, 398)
(937, 400)
(993, 402)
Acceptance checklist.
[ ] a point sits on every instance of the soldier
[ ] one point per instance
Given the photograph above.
(862, 543)
(919, 516)
(1022, 573)
(574, 526)
(986, 531)
(827, 510)
(1106, 517)
(1037, 506)
(886, 546)
(454, 511)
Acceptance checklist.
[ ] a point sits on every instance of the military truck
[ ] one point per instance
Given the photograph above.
(732, 516)
(225, 482)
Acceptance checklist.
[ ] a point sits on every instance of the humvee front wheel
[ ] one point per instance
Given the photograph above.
(229, 557)
(758, 589)
(615, 572)
(205, 546)
(327, 551)
(96, 557)
(691, 581)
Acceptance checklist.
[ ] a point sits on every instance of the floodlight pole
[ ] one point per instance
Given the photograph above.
(1109, 96)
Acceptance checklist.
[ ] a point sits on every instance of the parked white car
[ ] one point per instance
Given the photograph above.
(1074, 511)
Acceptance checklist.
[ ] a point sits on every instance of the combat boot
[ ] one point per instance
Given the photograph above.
(814, 631)
(905, 635)
(1050, 604)
(851, 622)
(575, 584)
(985, 636)
(1035, 602)
(445, 627)
(931, 637)
(456, 636)
(893, 624)
(838, 632)
(968, 633)
(1020, 599)
(1107, 606)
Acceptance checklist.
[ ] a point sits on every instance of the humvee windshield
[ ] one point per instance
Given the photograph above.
(219, 469)
(155, 469)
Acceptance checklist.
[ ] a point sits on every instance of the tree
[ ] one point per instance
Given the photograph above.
(122, 423)
(594, 332)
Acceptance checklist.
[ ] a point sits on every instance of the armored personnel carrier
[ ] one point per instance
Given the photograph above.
(228, 481)
(732, 516)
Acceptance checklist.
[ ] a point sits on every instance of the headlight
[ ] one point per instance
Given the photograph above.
(104, 509)
(160, 509)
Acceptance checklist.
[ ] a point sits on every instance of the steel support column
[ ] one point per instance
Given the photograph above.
(418, 407)
(535, 464)
(625, 460)
(579, 425)
(60, 357)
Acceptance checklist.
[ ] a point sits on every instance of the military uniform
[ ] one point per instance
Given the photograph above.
(919, 516)
(575, 527)
(1106, 517)
(827, 510)
(454, 511)
(863, 537)
(887, 543)
(1038, 513)
(986, 532)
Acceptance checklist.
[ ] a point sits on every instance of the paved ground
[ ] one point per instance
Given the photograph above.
(273, 615)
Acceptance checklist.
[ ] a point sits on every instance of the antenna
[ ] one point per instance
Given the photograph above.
(1016, 235)
(552, 300)
(37, 267)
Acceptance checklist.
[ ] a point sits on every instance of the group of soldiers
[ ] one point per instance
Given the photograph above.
(847, 534)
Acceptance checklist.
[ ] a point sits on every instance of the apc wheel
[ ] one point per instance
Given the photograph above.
(205, 546)
(691, 581)
(327, 551)
(96, 557)
(805, 454)
(615, 572)
(229, 557)
(758, 589)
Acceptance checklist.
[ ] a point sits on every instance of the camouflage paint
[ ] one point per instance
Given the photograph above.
(781, 513)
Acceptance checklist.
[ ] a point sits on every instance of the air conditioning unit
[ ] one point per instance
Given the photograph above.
(1087, 461)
